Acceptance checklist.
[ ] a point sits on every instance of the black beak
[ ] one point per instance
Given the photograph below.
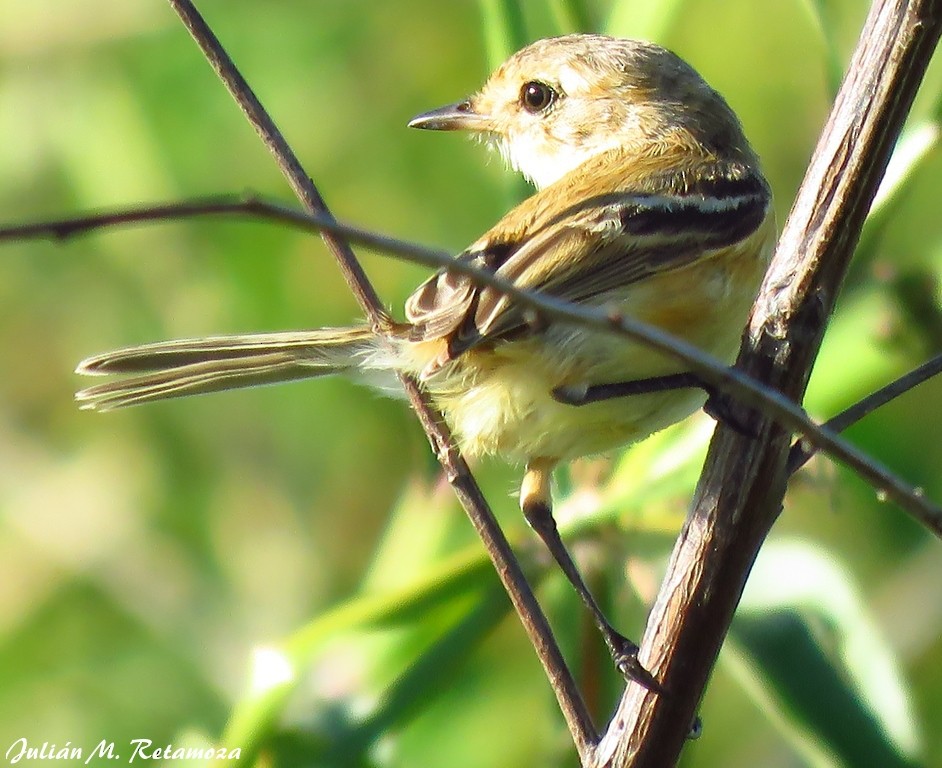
(453, 117)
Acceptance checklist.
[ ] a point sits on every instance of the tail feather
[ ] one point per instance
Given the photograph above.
(197, 366)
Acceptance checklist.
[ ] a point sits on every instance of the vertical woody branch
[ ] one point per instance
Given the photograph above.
(459, 475)
(740, 492)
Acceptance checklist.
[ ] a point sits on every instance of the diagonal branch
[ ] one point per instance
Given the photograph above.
(801, 452)
(743, 482)
(456, 469)
(747, 390)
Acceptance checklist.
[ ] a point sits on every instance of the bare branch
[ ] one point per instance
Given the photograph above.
(747, 390)
(801, 452)
(456, 469)
(741, 489)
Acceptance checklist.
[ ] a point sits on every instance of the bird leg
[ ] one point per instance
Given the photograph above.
(652, 385)
(717, 405)
(536, 504)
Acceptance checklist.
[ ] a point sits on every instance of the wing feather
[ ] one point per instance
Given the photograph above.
(591, 249)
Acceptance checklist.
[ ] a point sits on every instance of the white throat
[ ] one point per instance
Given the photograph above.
(543, 162)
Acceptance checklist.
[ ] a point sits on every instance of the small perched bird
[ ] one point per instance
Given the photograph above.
(650, 201)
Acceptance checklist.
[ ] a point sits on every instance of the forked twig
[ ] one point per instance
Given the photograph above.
(801, 451)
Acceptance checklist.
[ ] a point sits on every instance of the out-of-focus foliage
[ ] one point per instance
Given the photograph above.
(283, 565)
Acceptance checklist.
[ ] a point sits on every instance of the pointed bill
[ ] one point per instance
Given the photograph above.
(452, 117)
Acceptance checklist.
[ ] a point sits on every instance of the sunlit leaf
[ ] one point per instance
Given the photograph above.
(808, 652)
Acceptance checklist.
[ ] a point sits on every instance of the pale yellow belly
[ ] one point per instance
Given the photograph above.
(498, 399)
(518, 419)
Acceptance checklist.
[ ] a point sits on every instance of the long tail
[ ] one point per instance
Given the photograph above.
(197, 366)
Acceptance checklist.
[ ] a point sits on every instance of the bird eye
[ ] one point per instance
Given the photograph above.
(536, 96)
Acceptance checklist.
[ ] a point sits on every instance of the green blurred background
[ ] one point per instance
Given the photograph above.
(146, 556)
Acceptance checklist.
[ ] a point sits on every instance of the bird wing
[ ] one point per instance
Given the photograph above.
(590, 249)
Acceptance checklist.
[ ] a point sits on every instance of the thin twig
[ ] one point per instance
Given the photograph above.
(456, 469)
(746, 389)
(801, 452)
(743, 482)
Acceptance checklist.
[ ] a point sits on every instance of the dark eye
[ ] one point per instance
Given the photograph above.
(536, 96)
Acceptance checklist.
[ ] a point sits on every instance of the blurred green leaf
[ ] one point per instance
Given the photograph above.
(277, 670)
(429, 675)
(573, 16)
(915, 148)
(819, 11)
(648, 20)
(504, 30)
(812, 657)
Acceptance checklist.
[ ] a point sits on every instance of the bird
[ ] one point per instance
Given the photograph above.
(649, 201)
